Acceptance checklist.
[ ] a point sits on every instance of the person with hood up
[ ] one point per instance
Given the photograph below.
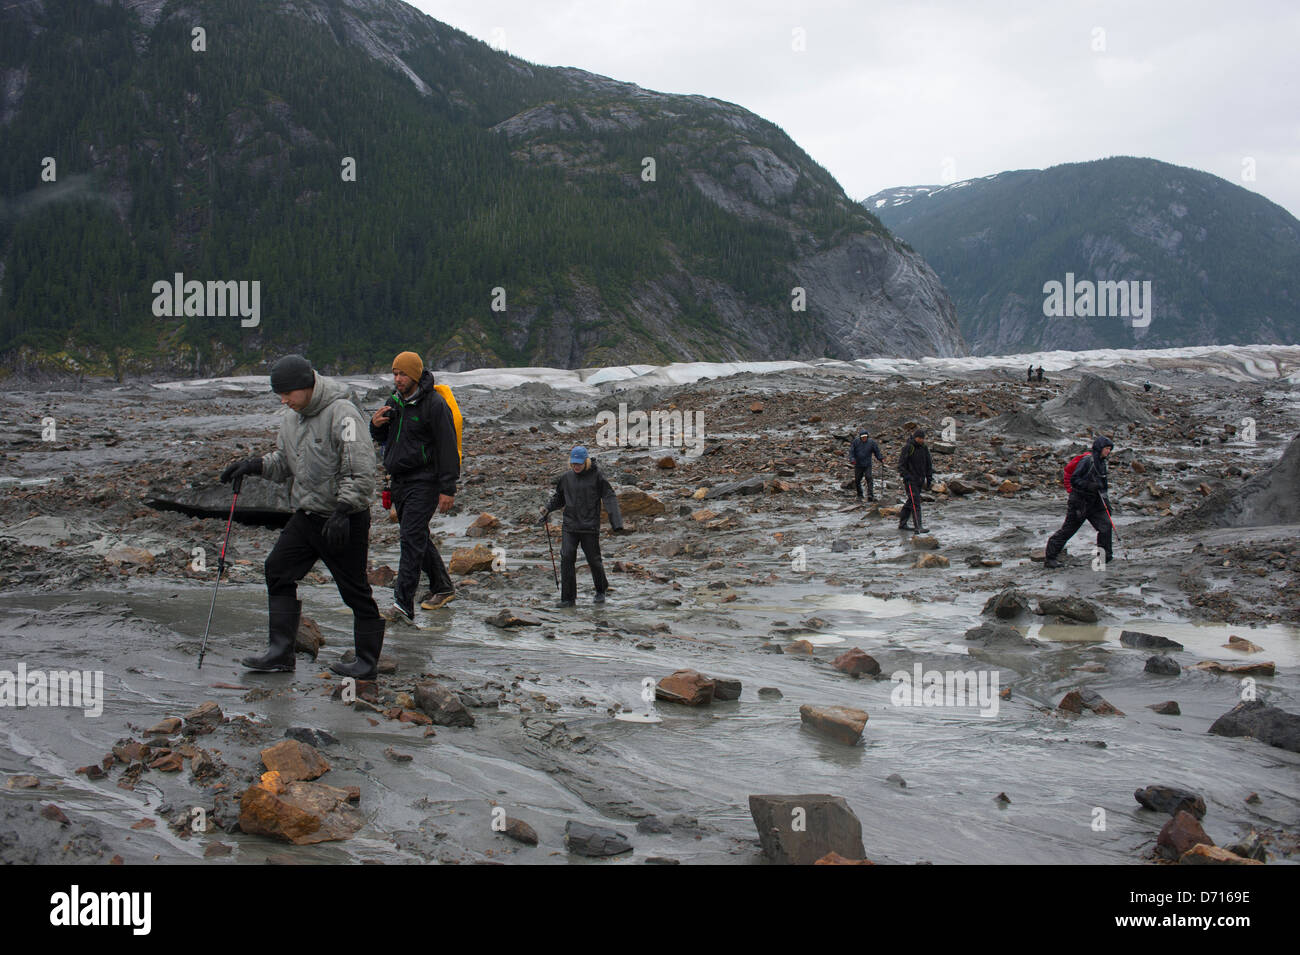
(415, 427)
(1088, 502)
(580, 491)
(323, 454)
(916, 470)
(860, 453)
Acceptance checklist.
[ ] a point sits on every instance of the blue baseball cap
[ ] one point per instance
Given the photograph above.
(578, 455)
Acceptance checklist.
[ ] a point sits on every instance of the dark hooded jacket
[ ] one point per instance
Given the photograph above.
(860, 452)
(1089, 475)
(914, 463)
(581, 493)
(419, 438)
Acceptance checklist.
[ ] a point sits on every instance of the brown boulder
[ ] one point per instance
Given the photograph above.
(294, 760)
(304, 813)
(381, 576)
(1179, 834)
(483, 525)
(203, 718)
(308, 639)
(931, 560)
(634, 502)
(688, 687)
(442, 705)
(168, 727)
(470, 560)
(843, 724)
(855, 662)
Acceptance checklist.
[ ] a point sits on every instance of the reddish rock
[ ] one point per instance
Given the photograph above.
(843, 724)
(1213, 855)
(520, 831)
(800, 646)
(304, 814)
(756, 407)
(483, 525)
(855, 663)
(381, 576)
(931, 560)
(169, 762)
(129, 751)
(93, 771)
(1239, 669)
(308, 639)
(1167, 708)
(1179, 835)
(294, 760)
(203, 718)
(1242, 644)
(834, 858)
(667, 464)
(168, 727)
(688, 687)
(1076, 701)
(53, 812)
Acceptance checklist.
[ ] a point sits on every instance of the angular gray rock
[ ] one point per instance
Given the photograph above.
(441, 705)
(800, 829)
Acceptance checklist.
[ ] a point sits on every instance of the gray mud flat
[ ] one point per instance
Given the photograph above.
(93, 579)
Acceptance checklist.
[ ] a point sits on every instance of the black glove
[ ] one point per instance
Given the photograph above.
(545, 515)
(336, 530)
(240, 468)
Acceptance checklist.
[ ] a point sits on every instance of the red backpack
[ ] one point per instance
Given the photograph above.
(1069, 469)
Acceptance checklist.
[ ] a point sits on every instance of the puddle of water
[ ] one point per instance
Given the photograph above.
(1280, 642)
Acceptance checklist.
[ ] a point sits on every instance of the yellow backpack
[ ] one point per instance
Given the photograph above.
(456, 419)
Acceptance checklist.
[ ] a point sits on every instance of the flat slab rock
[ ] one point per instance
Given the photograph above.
(688, 687)
(1147, 641)
(843, 724)
(1075, 608)
(594, 841)
(801, 829)
(507, 618)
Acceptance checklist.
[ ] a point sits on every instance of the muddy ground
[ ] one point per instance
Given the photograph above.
(766, 588)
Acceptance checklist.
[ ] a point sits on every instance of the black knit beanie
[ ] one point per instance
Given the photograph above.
(291, 373)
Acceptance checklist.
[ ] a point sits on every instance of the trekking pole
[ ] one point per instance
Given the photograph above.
(1113, 529)
(547, 525)
(221, 566)
(916, 511)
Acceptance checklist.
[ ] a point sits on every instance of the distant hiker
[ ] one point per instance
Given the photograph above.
(916, 470)
(580, 491)
(323, 454)
(1146, 386)
(1040, 373)
(416, 428)
(860, 453)
(1088, 486)
(1029, 375)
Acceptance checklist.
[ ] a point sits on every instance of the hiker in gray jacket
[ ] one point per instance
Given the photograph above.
(324, 453)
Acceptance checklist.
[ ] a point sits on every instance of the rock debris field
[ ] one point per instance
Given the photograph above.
(779, 674)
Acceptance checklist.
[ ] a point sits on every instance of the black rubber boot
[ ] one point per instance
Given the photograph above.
(368, 640)
(285, 612)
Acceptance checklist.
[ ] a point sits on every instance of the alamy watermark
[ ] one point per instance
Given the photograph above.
(1088, 299)
(946, 688)
(651, 429)
(79, 689)
(176, 298)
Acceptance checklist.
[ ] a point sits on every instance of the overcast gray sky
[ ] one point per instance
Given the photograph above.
(889, 93)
